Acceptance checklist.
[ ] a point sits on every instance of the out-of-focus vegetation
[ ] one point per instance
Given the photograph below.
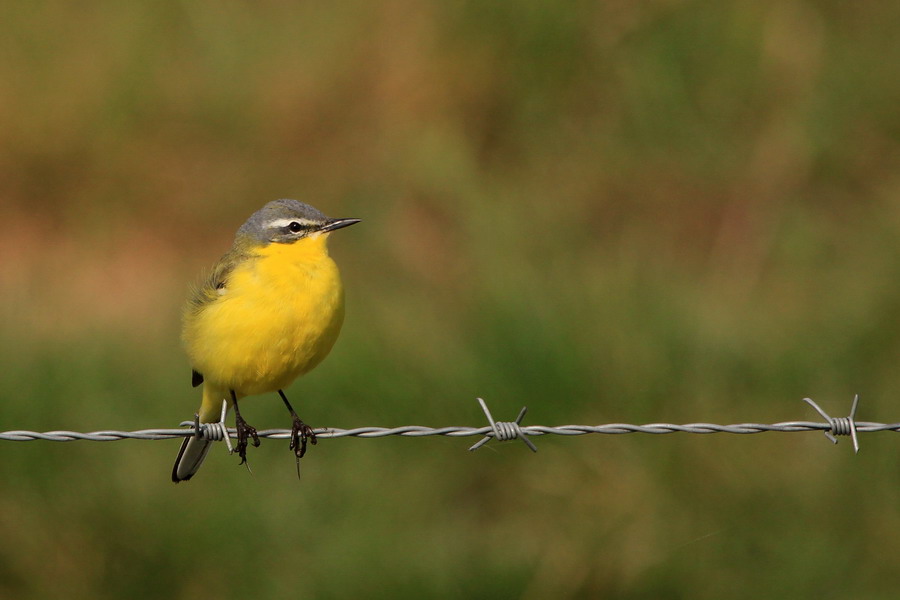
(636, 212)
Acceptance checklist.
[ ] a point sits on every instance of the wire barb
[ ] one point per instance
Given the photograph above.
(503, 430)
(220, 426)
(214, 432)
(840, 425)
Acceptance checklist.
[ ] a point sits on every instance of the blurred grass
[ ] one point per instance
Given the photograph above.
(662, 211)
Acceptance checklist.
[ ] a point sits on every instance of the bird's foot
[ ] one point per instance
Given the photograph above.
(300, 433)
(245, 433)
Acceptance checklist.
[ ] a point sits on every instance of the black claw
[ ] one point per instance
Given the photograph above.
(245, 432)
(300, 433)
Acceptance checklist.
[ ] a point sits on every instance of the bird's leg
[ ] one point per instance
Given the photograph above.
(244, 431)
(300, 431)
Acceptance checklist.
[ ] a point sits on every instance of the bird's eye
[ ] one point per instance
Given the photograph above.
(295, 227)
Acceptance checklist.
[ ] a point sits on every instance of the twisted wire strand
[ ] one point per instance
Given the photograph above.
(499, 430)
(421, 431)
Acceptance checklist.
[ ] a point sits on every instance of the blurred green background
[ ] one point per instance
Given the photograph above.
(609, 212)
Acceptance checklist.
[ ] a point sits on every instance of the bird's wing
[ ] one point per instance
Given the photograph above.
(216, 283)
(213, 287)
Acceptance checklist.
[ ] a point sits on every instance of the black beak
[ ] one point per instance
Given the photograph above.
(337, 224)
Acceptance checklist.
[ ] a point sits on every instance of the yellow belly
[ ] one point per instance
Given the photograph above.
(277, 318)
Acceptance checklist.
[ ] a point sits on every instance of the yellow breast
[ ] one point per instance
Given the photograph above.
(278, 317)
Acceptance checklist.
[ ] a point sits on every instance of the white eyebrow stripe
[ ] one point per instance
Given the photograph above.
(280, 223)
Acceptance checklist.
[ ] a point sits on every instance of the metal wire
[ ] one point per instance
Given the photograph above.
(496, 430)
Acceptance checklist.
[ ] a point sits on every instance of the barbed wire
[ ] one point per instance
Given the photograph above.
(499, 430)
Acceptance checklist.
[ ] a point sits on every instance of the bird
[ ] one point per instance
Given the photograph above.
(268, 312)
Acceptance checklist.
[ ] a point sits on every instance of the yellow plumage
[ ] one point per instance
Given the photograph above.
(270, 310)
(277, 317)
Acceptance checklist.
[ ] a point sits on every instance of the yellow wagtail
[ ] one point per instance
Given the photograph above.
(270, 310)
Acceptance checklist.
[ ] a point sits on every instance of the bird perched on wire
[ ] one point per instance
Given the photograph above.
(269, 311)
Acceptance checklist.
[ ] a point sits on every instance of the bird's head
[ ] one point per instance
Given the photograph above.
(287, 221)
